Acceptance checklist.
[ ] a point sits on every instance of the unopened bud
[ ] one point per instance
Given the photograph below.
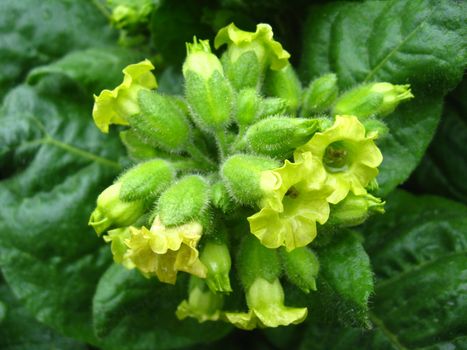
(374, 99)
(354, 210)
(216, 257)
(146, 180)
(285, 84)
(161, 122)
(248, 104)
(241, 174)
(184, 201)
(320, 95)
(113, 212)
(207, 90)
(301, 266)
(279, 136)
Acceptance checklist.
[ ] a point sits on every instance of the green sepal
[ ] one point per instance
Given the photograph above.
(301, 267)
(241, 174)
(285, 84)
(184, 201)
(278, 136)
(374, 99)
(320, 95)
(375, 126)
(254, 261)
(112, 212)
(354, 210)
(161, 122)
(216, 257)
(146, 180)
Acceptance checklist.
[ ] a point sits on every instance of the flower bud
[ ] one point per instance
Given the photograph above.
(114, 107)
(113, 212)
(354, 210)
(146, 180)
(320, 95)
(248, 104)
(129, 14)
(271, 106)
(216, 257)
(135, 146)
(184, 201)
(301, 267)
(285, 84)
(374, 99)
(256, 261)
(241, 174)
(161, 122)
(250, 54)
(220, 197)
(202, 303)
(278, 136)
(207, 90)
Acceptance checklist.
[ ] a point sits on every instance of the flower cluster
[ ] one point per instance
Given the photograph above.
(241, 175)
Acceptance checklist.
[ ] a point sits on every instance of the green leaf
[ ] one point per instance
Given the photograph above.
(54, 163)
(20, 331)
(34, 33)
(443, 166)
(418, 251)
(418, 42)
(93, 69)
(345, 279)
(140, 313)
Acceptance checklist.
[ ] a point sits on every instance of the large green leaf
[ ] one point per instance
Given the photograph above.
(20, 331)
(140, 313)
(33, 33)
(418, 251)
(420, 42)
(93, 69)
(54, 162)
(443, 168)
(345, 282)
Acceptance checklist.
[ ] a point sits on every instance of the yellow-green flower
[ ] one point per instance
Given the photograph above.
(349, 156)
(202, 303)
(267, 49)
(114, 106)
(119, 249)
(163, 251)
(292, 206)
(265, 301)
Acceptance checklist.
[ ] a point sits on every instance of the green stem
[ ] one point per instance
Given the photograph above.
(200, 157)
(222, 144)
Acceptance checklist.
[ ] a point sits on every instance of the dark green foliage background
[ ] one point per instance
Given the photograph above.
(398, 282)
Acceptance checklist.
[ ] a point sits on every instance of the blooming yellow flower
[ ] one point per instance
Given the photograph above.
(261, 42)
(265, 301)
(349, 156)
(202, 303)
(114, 106)
(292, 205)
(163, 251)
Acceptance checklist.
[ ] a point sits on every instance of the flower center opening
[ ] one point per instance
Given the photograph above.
(336, 157)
